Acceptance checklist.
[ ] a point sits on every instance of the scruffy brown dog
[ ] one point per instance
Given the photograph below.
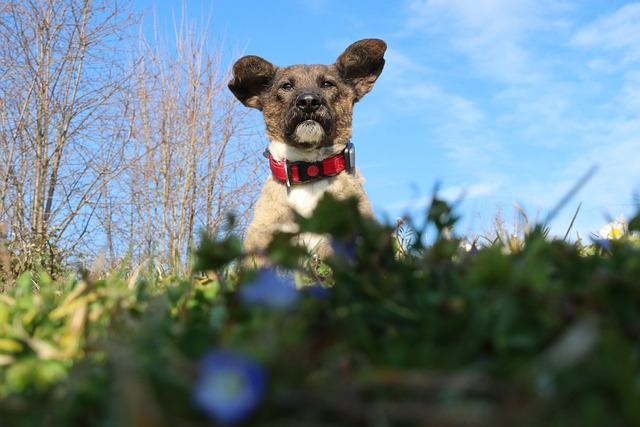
(307, 110)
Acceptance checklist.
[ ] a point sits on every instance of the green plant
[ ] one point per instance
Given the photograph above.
(401, 335)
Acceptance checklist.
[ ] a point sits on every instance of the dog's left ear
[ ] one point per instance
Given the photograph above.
(252, 75)
(361, 64)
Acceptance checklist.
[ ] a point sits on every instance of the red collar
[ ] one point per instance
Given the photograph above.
(292, 173)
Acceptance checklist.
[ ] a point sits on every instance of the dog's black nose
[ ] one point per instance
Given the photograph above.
(308, 102)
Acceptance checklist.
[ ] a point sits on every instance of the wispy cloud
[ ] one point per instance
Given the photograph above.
(527, 107)
(618, 31)
(492, 33)
(452, 193)
(399, 64)
(462, 132)
(427, 96)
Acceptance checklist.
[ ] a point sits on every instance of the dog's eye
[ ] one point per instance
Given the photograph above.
(327, 84)
(286, 86)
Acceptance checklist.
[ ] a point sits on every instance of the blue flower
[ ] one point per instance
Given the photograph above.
(271, 290)
(229, 387)
(317, 292)
(345, 249)
(604, 243)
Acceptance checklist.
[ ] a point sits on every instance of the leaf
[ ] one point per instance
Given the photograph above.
(70, 302)
(213, 254)
(441, 215)
(10, 346)
(634, 223)
(337, 217)
(24, 284)
(282, 250)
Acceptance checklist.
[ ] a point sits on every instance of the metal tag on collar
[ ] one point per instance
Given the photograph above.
(350, 157)
(287, 172)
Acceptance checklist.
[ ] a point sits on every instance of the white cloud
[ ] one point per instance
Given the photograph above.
(619, 30)
(490, 33)
(616, 151)
(467, 14)
(456, 122)
(513, 103)
(451, 194)
(473, 191)
(399, 65)
(429, 96)
(630, 96)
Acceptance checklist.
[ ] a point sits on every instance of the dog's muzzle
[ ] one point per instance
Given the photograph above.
(308, 120)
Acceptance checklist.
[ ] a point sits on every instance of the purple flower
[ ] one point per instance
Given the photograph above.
(269, 289)
(229, 386)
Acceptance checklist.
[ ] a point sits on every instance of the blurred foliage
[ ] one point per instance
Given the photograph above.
(393, 332)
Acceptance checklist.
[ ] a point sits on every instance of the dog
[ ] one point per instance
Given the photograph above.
(308, 112)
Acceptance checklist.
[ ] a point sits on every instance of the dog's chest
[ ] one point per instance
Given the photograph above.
(304, 198)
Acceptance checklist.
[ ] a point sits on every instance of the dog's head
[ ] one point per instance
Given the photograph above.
(309, 106)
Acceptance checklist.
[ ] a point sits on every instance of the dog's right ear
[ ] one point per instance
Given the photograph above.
(252, 75)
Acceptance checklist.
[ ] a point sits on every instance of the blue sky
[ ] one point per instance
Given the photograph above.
(495, 101)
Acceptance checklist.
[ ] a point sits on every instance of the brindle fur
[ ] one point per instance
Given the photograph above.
(298, 134)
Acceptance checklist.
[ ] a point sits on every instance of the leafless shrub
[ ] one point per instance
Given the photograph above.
(110, 142)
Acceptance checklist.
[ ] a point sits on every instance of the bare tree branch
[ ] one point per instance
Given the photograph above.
(115, 142)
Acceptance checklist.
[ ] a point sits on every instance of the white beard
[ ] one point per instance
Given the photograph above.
(309, 132)
(280, 151)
